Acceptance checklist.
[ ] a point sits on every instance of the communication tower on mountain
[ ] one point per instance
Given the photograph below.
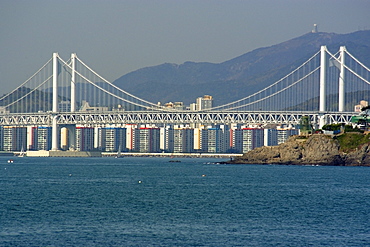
(314, 30)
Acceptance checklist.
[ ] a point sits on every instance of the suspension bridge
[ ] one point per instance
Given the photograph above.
(325, 87)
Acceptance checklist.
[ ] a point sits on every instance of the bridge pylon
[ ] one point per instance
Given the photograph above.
(323, 68)
(342, 79)
(54, 128)
(73, 82)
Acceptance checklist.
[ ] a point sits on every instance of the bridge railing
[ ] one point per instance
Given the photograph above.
(186, 117)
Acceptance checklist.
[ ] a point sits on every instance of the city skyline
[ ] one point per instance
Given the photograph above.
(185, 138)
(123, 36)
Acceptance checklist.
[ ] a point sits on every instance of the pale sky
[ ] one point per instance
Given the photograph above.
(116, 37)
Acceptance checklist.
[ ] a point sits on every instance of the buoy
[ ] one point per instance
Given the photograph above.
(139, 181)
(203, 175)
(70, 174)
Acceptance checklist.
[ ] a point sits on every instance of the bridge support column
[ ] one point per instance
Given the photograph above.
(54, 128)
(55, 82)
(73, 85)
(54, 134)
(341, 80)
(323, 66)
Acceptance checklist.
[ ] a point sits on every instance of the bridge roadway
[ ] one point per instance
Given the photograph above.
(178, 117)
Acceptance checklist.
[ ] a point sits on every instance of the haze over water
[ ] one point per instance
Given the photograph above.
(152, 202)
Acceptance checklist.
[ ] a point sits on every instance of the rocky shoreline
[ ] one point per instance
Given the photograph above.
(318, 149)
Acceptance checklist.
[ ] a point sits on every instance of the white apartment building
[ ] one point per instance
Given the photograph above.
(205, 102)
(149, 140)
(252, 138)
(183, 139)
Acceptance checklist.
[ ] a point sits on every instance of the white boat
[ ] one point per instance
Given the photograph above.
(119, 152)
(22, 153)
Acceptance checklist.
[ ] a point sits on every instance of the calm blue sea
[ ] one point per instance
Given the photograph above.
(152, 202)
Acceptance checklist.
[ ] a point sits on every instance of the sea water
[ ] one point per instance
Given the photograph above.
(195, 202)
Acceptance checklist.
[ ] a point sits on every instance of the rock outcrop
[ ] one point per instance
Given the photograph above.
(313, 150)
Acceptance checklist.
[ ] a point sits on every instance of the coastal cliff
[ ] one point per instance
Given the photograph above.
(316, 149)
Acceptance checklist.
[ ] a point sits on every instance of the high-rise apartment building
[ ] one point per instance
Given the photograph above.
(283, 134)
(218, 140)
(205, 102)
(204, 140)
(236, 140)
(270, 137)
(149, 140)
(32, 138)
(115, 139)
(84, 138)
(43, 138)
(197, 139)
(15, 138)
(131, 137)
(166, 139)
(252, 138)
(183, 139)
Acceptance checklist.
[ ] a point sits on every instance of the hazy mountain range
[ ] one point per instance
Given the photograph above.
(240, 76)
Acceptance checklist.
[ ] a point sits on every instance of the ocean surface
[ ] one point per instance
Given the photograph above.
(195, 202)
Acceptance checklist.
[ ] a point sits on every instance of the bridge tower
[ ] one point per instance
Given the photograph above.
(54, 135)
(72, 128)
(55, 81)
(73, 84)
(323, 66)
(341, 79)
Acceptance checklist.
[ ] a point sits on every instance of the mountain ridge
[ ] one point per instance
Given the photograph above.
(240, 76)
